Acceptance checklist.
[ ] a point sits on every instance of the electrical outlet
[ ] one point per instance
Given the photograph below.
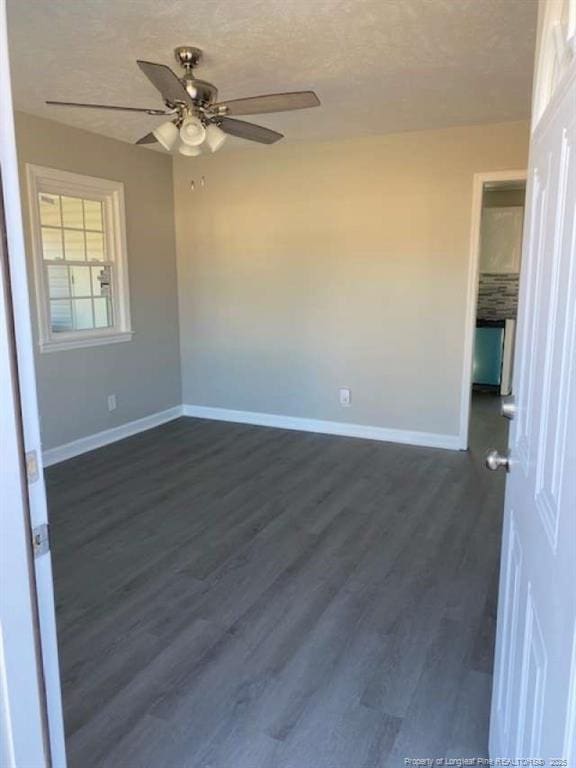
(111, 402)
(345, 397)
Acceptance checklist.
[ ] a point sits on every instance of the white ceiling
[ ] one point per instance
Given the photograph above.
(378, 66)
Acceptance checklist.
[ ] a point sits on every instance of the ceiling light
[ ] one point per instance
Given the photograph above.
(215, 137)
(188, 151)
(166, 134)
(192, 132)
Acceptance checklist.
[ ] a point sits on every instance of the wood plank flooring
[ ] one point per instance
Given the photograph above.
(232, 596)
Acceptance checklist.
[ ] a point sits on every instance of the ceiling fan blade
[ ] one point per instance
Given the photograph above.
(148, 139)
(166, 82)
(249, 131)
(107, 106)
(272, 102)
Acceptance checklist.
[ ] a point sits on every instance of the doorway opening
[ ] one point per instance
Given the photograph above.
(496, 260)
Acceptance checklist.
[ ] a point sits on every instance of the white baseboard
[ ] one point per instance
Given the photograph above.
(91, 442)
(425, 439)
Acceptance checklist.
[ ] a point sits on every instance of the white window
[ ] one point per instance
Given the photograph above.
(80, 261)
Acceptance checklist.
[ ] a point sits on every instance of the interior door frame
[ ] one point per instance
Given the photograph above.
(479, 182)
(23, 712)
(24, 700)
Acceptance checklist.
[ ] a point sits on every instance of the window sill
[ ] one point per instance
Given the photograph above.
(89, 341)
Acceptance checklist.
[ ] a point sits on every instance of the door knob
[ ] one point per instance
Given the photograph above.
(495, 461)
(508, 408)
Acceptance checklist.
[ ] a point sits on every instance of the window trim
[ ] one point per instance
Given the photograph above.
(111, 193)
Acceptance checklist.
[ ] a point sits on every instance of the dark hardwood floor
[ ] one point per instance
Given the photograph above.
(241, 597)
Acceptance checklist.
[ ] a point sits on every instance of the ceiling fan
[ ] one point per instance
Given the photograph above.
(197, 120)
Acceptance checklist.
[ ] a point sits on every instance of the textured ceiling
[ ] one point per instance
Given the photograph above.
(379, 66)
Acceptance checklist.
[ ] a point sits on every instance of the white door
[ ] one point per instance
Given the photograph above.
(534, 694)
(31, 724)
(22, 729)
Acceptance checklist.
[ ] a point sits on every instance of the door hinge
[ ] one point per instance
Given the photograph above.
(41, 539)
(32, 467)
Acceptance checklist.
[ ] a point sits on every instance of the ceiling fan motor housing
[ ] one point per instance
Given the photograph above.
(202, 92)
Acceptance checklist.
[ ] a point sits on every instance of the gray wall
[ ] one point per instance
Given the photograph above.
(306, 267)
(301, 268)
(503, 198)
(144, 373)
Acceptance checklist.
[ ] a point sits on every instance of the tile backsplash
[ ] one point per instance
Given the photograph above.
(497, 296)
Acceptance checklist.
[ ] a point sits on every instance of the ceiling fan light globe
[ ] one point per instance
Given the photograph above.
(215, 137)
(189, 151)
(166, 135)
(192, 132)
